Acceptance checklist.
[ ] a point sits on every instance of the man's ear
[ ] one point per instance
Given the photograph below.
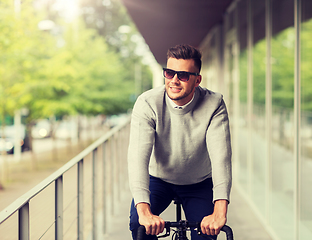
(198, 80)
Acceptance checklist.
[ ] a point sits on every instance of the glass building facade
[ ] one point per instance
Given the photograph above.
(260, 58)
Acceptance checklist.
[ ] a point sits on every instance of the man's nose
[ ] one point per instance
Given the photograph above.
(175, 79)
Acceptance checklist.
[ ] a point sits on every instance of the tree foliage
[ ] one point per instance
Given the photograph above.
(306, 62)
(21, 51)
(282, 65)
(65, 73)
(110, 19)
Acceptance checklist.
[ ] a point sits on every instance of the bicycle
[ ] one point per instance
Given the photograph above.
(182, 226)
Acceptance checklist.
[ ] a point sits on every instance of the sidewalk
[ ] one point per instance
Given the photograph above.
(243, 221)
(23, 178)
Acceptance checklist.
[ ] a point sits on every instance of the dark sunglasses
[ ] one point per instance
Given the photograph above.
(182, 76)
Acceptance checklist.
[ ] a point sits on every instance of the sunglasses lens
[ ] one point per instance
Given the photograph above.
(183, 76)
(169, 73)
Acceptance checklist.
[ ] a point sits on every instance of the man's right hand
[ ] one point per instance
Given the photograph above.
(153, 224)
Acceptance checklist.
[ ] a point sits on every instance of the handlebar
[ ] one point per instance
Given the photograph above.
(184, 225)
(228, 231)
(141, 231)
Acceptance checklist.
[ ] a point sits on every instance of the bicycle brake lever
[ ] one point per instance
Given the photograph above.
(199, 233)
(166, 234)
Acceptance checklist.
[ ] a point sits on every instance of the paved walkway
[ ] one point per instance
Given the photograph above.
(244, 223)
(23, 177)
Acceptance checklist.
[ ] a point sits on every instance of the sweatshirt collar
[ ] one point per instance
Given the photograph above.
(175, 106)
(185, 108)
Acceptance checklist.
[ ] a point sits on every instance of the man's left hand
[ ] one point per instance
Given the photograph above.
(212, 224)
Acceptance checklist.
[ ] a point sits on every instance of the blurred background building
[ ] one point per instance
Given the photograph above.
(258, 54)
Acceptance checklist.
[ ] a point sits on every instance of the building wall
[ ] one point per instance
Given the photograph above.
(260, 58)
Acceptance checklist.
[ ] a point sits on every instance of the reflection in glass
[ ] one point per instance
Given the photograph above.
(258, 109)
(305, 175)
(283, 42)
(243, 118)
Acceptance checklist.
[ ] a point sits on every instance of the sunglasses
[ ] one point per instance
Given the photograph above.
(182, 76)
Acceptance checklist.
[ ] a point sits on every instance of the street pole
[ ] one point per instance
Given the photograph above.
(17, 135)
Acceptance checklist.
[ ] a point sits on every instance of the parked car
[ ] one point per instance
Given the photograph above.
(7, 141)
(42, 129)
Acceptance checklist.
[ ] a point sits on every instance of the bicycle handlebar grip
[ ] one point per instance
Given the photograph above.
(140, 233)
(228, 231)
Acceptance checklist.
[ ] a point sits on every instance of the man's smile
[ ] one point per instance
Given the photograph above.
(175, 89)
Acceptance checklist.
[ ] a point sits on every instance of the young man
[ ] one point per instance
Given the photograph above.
(180, 147)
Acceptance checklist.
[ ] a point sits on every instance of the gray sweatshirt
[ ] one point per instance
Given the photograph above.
(179, 146)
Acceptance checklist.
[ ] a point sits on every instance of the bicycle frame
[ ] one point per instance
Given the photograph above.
(182, 226)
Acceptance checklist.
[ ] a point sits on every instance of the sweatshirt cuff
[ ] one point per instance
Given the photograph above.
(224, 195)
(140, 198)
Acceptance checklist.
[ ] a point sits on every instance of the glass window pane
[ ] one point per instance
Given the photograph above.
(258, 163)
(283, 42)
(306, 122)
(243, 88)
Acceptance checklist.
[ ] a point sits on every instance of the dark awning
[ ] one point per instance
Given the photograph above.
(166, 23)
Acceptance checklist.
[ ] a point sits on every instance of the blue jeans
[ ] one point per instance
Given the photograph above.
(196, 200)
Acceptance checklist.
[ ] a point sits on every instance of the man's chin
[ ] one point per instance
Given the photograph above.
(175, 98)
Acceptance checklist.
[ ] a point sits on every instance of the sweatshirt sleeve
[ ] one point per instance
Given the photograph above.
(219, 147)
(142, 135)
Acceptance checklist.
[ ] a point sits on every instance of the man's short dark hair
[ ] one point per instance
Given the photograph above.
(185, 52)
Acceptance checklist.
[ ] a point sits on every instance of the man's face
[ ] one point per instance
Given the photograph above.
(178, 91)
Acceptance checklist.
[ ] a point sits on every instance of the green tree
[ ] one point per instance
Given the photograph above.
(83, 76)
(283, 68)
(111, 20)
(306, 62)
(22, 47)
(97, 77)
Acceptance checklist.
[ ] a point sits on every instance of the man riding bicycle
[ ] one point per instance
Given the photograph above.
(180, 147)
